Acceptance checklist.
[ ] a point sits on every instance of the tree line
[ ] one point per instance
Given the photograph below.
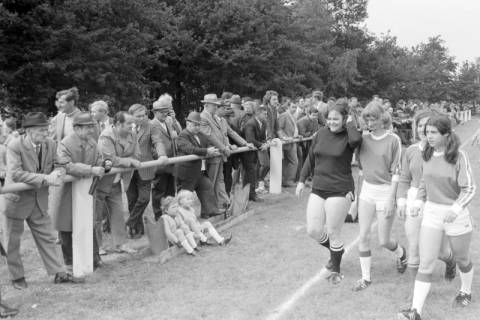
(127, 51)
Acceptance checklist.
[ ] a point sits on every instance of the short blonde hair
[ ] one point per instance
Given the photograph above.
(136, 107)
(183, 194)
(375, 110)
(99, 104)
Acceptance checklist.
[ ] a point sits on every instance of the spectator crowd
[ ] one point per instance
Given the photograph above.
(89, 143)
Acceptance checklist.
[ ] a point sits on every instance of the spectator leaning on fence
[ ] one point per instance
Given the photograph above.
(119, 145)
(79, 156)
(61, 125)
(139, 189)
(213, 130)
(30, 159)
(288, 130)
(256, 163)
(164, 182)
(191, 174)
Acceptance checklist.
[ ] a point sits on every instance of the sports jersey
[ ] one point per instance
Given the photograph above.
(380, 157)
(446, 183)
(411, 171)
(330, 158)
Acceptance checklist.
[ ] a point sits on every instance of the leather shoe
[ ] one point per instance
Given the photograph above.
(226, 240)
(255, 199)
(63, 277)
(6, 311)
(20, 283)
(204, 243)
(98, 264)
(214, 214)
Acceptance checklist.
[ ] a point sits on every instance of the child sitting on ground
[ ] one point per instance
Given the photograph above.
(185, 200)
(176, 230)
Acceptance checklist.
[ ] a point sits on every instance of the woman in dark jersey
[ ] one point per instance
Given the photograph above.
(330, 158)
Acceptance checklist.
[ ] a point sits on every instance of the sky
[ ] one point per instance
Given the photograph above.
(414, 21)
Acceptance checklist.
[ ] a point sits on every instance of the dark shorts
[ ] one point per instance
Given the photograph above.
(332, 194)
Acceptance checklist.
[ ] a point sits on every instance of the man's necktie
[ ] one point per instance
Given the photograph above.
(38, 149)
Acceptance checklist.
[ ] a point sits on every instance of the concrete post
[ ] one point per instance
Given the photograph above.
(276, 155)
(82, 218)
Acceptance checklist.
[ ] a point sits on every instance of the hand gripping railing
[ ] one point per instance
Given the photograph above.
(82, 202)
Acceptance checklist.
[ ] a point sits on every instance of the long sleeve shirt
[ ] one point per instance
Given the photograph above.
(446, 183)
(411, 172)
(330, 158)
(380, 158)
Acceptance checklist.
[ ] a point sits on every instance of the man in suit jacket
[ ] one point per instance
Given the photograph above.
(287, 130)
(138, 193)
(212, 128)
(255, 133)
(30, 159)
(79, 156)
(62, 124)
(164, 182)
(191, 174)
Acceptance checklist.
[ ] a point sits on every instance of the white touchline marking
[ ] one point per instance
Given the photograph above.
(281, 310)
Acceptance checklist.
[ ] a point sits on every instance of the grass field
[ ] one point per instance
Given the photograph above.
(268, 261)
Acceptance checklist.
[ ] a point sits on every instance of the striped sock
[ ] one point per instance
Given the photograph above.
(324, 241)
(336, 253)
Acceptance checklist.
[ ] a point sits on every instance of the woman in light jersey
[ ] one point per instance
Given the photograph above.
(447, 186)
(406, 195)
(379, 160)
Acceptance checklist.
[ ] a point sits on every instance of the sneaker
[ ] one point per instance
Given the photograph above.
(450, 270)
(402, 262)
(261, 189)
(409, 314)
(335, 278)
(361, 285)
(463, 299)
(226, 240)
(6, 311)
(125, 249)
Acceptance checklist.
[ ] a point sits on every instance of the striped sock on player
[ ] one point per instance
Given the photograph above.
(336, 253)
(324, 241)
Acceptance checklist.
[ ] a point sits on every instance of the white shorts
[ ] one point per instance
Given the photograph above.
(434, 215)
(411, 196)
(377, 194)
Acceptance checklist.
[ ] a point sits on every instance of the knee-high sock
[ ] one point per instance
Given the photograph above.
(325, 241)
(421, 290)
(466, 277)
(365, 264)
(336, 253)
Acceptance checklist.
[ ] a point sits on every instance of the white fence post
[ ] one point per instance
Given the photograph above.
(276, 155)
(82, 218)
(469, 114)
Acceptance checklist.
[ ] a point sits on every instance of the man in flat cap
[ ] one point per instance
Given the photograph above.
(30, 159)
(191, 174)
(79, 156)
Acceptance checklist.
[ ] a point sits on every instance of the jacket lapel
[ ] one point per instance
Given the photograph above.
(31, 152)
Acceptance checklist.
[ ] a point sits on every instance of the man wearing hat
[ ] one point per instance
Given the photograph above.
(164, 180)
(211, 127)
(30, 159)
(138, 193)
(238, 112)
(191, 174)
(79, 156)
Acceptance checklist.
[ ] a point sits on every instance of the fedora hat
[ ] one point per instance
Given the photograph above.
(211, 98)
(162, 105)
(35, 119)
(235, 99)
(194, 117)
(83, 119)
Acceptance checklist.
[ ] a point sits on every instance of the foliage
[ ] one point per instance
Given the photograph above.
(133, 51)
